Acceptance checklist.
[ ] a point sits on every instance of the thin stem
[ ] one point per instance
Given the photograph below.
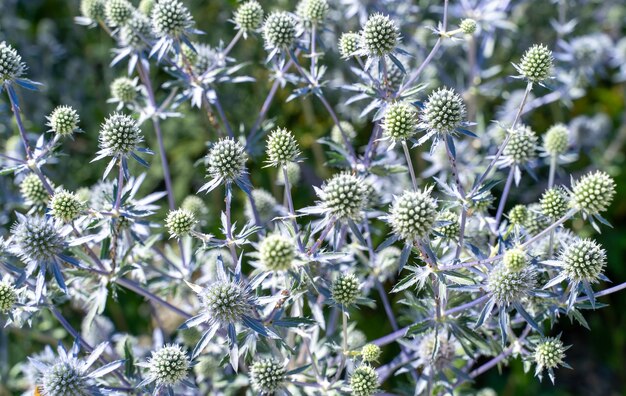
(229, 232)
(504, 354)
(292, 212)
(552, 171)
(319, 241)
(344, 345)
(504, 197)
(132, 285)
(18, 119)
(120, 186)
(220, 112)
(409, 164)
(232, 43)
(313, 55)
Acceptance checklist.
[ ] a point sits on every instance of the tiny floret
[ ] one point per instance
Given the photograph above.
(226, 301)
(583, 261)
(276, 253)
(63, 120)
(267, 375)
(556, 140)
(180, 222)
(380, 35)
(227, 159)
(370, 353)
(593, 193)
(364, 381)
(124, 89)
(554, 203)
(468, 26)
(170, 18)
(522, 146)
(509, 286)
(169, 365)
(515, 259)
(344, 196)
(536, 63)
(348, 44)
(345, 289)
(279, 30)
(313, 11)
(282, 147)
(518, 215)
(65, 205)
(33, 191)
(249, 15)
(413, 214)
(118, 12)
(400, 122)
(11, 66)
(8, 296)
(444, 111)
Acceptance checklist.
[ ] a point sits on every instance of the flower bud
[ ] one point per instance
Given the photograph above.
(33, 191)
(554, 203)
(249, 15)
(400, 122)
(468, 26)
(276, 253)
(380, 35)
(120, 134)
(348, 44)
(169, 365)
(345, 289)
(65, 205)
(364, 381)
(444, 111)
(593, 193)
(124, 89)
(536, 63)
(515, 259)
(413, 214)
(518, 214)
(370, 353)
(93, 9)
(267, 376)
(556, 140)
(522, 145)
(282, 147)
(549, 353)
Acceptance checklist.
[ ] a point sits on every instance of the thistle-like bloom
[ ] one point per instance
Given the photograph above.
(226, 162)
(117, 12)
(583, 261)
(33, 191)
(11, 66)
(279, 30)
(93, 9)
(65, 205)
(345, 289)
(349, 44)
(168, 366)
(437, 350)
(548, 355)
(180, 222)
(137, 31)
(518, 215)
(313, 11)
(443, 112)
(370, 353)
(510, 286)
(380, 36)
(276, 253)
(515, 259)
(593, 193)
(522, 146)
(413, 214)
(468, 26)
(282, 147)
(8, 296)
(226, 302)
(120, 137)
(536, 63)
(37, 240)
(343, 197)
(124, 90)
(554, 203)
(63, 120)
(267, 375)
(450, 227)
(364, 381)
(400, 122)
(249, 16)
(556, 140)
(170, 18)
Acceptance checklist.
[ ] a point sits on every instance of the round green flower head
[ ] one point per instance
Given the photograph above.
(444, 111)
(93, 9)
(124, 89)
(522, 145)
(313, 11)
(293, 173)
(549, 353)
(195, 205)
(276, 253)
(452, 229)
(468, 26)
(267, 376)
(169, 365)
(400, 122)
(65, 378)
(227, 159)
(583, 261)
(137, 32)
(370, 353)
(536, 63)
(515, 259)
(343, 196)
(413, 214)
(348, 129)
(120, 134)
(518, 214)
(593, 193)
(282, 147)
(170, 18)
(8, 296)
(554, 203)
(63, 120)
(535, 221)
(11, 66)
(226, 301)
(556, 140)
(33, 190)
(180, 222)
(508, 286)
(446, 350)
(345, 289)
(380, 35)
(266, 205)
(117, 12)
(279, 30)
(249, 15)
(146, 6)
(65, 205)
(349, 44)
(364, 381)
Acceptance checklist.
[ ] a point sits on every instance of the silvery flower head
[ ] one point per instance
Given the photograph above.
(593, 192)
(349, 44)
(413, 214)
(556, 140)
(522, 146)
(438, 350)
(249, 16)
(509, 286)
(536, 64)
(345, 289)
(400, 121)
(168, 366)
(36, 239)
(117, 12)
(65, 205)
(267, 375)
(180, 222)
(380, 36)
(119, 138)
(312, 11)
(137, 32)
(549, 354)
(33, 191)
(63, 120)
(11, 66)
(282, 147)
(170, 18)
(279, 30)
(343, 197)
(124, 90)
(226, 162)
(276, 253)
(444, 111)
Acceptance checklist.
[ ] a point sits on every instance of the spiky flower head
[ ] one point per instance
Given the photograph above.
(554, 203)
(195, 205)
(400, 122)
(518, 214)
(276, 252)
(444, 111)
(145, 6)
(348, 129)
(8, 296)
(349, 44)
(117, 12)
(508, 286)
(522, 145)
(535, 221)
(169, 365)
(468, 26)
(413, 214)
(137, 31)
(65, 378)
(549, 353)
(313, 11)
(33, 191)
(11, 66)
(267, 375)
(293, 173)
(556, 140)
(179, 222)
(364, 381)
(93, 9)
(370, 353)
(124, 89)
(170, 18)
(36, 239)
(515, 259)
(63, 120)
(266, 206)
(452, 228)
(120, 135)
(282, 147)
(343, 196)
(380, 35)
(437, 350)
(345, 289)
(593, 193)
(583, 261)
(249, 15)
(227, 159)
(226, 301)
(206, 57)
(279, 30)
(65, 205)
(536, 63)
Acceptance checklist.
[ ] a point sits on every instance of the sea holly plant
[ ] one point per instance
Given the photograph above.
(329, 179)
